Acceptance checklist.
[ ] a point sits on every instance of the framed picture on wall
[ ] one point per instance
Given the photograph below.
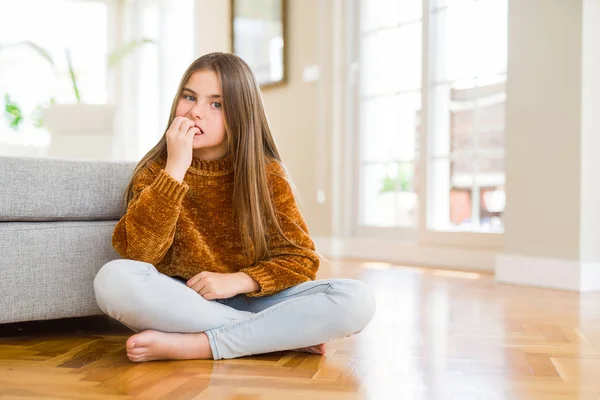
(258, 35)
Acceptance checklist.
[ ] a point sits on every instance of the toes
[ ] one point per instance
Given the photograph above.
(319, 349)
(137, 354)
(137, 351)
(130, 344)
(139, 357)
(312, 349)
(135, 358)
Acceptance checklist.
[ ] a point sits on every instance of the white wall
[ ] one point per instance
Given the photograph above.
(553, 145)
(543, 111)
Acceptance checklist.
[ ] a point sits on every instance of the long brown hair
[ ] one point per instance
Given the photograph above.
(249, 142)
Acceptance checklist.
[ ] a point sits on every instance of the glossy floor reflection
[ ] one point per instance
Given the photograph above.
(437, 334)
(459, 335)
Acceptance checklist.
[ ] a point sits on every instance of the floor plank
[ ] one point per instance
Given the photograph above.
(437, 334)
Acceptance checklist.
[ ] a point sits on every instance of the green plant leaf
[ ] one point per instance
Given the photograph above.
(119, 54)
(34, 46)
(72, 75)
(388, 185)
(37, 115)
(12, 112)
(404, 177)
(400, 184)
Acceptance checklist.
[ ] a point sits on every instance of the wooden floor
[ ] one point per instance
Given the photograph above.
(436, 335)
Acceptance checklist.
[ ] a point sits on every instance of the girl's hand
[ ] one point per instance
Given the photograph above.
(212, 285)
(180, 136)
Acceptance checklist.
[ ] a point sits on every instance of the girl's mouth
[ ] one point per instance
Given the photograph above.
(200, 129)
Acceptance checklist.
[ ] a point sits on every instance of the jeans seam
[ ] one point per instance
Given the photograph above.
(329, 288)
(276, 296)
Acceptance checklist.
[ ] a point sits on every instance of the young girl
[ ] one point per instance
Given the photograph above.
(218, 262)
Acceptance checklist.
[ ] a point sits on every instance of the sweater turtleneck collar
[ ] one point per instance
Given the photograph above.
(220, 166)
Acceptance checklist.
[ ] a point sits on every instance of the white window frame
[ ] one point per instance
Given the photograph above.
(422, 235)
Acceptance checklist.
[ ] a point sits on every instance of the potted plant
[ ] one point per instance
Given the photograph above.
(77, 129)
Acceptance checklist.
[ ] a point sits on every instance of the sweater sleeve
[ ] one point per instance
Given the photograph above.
(146, 231)
(288, 265)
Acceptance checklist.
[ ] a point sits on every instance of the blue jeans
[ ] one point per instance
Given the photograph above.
(310, 313)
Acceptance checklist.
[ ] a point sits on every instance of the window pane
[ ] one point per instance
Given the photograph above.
(390, 111)
(470, 40)
(450, 195)
(391, 60)
(389, 127)
(461, 211)
(467, 115)
(454, 185)
(83, 31)
(387, 195)
(31, 80)
(490, 180)
(491, 40)
(488, 116)
(476, 116)
(454, 42)
(382, 13)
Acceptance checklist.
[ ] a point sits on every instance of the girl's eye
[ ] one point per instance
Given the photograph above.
(216, 105)
(189, 97)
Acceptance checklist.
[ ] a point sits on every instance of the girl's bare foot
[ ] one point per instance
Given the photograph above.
(154, 345)
(318, 349)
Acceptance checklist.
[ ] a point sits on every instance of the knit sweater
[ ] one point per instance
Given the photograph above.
(184, 228)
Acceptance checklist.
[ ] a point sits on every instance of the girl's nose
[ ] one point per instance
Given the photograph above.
(197, 112)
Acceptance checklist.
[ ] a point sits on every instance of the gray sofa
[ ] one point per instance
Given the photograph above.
(56, 223)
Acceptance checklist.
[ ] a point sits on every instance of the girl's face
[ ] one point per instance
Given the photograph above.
(201, 102)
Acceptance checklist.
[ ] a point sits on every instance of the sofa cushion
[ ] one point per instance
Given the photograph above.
(48, 268)
(45, 189)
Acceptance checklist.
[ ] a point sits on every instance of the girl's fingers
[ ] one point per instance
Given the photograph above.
(198, 286)
(192, 281)
(208, 295)
(192, 131)
(185, 127)
(176, 124)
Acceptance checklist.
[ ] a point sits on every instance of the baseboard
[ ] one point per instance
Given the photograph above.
(515, 269)
(548, 273)
(407, 253)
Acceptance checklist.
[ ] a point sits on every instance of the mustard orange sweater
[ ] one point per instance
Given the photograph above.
(186, 228)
